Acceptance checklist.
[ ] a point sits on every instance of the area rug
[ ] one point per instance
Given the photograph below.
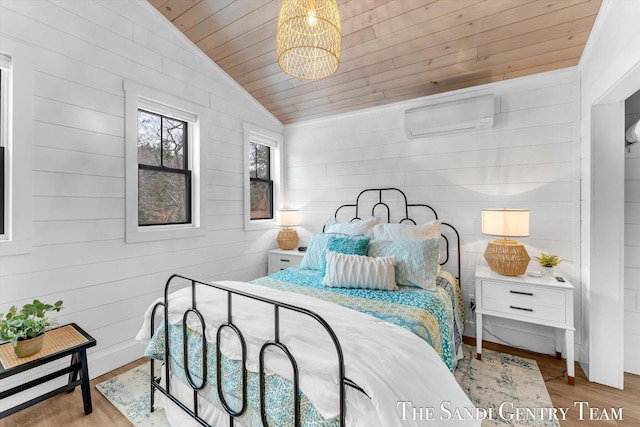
(510, 389)
(129, 392)
(498, 385)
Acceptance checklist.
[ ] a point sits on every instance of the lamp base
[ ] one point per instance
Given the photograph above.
(287, 239)
(507, 257)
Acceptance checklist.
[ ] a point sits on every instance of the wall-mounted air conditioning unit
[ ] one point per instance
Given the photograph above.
(447, 117)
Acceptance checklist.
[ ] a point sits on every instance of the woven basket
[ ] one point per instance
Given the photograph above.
(507, 257)
(287, 239)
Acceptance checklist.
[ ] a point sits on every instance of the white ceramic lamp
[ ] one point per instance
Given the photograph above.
(505, 256)
(287, 237)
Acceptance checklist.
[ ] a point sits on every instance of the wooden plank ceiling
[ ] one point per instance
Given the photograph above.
(392, 50)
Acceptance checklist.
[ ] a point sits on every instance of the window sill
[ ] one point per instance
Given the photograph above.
(164, 232)
(260, 224)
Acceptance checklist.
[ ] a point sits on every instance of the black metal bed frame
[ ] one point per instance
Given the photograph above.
(277, 307)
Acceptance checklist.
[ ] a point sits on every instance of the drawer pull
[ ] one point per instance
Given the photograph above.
(521, 308)
(284, 260)
(522, 293)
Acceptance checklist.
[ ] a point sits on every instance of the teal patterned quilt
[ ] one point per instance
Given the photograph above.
(277, 389)
(435, 316)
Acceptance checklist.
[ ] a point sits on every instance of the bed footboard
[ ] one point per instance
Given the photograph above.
(274, 343)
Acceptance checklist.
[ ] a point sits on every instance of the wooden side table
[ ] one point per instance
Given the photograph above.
(68, 340)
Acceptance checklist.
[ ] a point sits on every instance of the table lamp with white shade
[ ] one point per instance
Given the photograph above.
(288, 237)
(505, 256)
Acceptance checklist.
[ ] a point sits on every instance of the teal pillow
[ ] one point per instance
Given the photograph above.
(416, 260)
(314, 256)
(349, 245)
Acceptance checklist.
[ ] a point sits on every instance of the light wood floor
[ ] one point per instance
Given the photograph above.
(66, 410)
(598, 396)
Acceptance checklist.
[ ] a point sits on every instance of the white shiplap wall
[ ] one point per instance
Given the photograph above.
(529, 159)
(632, 247)
(79, 54)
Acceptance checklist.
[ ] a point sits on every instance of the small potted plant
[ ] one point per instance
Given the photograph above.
(25, 328)
(547, 262)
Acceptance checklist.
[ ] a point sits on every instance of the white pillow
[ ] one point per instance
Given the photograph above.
(404, 231)
(353, 228)
(358, 271)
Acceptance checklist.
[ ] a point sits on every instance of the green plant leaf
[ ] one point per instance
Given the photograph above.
(29, 322)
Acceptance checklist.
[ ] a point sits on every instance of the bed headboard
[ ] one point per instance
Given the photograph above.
(386, 198)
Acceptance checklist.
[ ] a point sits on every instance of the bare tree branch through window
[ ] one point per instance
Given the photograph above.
(164, 178)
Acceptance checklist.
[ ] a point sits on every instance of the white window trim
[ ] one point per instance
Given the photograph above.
(5, 140)
(253, 133)
(139, 96)
(18, 126)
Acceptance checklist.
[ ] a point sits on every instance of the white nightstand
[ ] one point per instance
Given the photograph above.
(279, 259)
(540, 300)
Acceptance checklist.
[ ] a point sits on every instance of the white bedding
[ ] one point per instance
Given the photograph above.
(390, 363)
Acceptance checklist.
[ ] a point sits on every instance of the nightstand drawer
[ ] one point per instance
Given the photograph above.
(523, 309)
(281, 259)
(280, 263)
(522, 292)
(523, 300)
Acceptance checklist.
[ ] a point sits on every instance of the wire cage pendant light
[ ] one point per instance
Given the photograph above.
(309, 38)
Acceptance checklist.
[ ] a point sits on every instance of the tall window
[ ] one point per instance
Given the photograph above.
(263, 176)
(165, 167)
(16, 137)
(261, 184)
(164, 178)
(4, 191)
